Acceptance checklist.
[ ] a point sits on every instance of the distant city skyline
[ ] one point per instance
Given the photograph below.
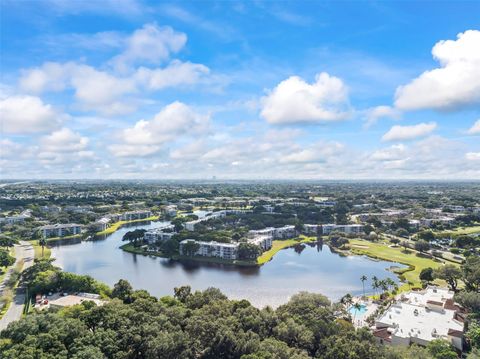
(130, 89)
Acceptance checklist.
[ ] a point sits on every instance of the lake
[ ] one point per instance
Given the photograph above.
(313, 268)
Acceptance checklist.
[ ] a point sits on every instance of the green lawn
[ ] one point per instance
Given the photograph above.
(281, 244)
(462, 230)
(118, 224)
(38, 250)
(413, 259)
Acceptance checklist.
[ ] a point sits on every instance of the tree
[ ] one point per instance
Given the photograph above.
(441, 349)
(471, 273)
(469, 300)
(190, 248)
(42, 242)
(6, 241)
(395, 241)
(426, 236)
(375, 284)
(6, 260)
(134, 236)
(449, 273)
(299, 227)
(426, 275)
(248, 251)
(182, 293)
(363, 278)
(123, 291)
(405, 245)
(422, 246)
(473, 334)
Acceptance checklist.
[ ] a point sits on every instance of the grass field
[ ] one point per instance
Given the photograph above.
(413, 259)
(462, 230)
(279, 245)
(118, 224)
(38, 250)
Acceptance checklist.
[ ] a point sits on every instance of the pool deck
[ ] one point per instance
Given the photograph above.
(359, 319)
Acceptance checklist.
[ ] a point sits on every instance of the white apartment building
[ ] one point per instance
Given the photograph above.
(14, 219)
(284, 232)
(102, 223)
(420, 317)
(158, 234)
(133, 215)
(170, 210)
(343, 228)
(213, 249)
(264, 242)
(60, 230)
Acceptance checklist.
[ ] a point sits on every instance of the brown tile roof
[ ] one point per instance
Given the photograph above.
(455, 333)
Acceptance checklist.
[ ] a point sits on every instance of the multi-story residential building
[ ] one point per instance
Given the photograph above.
(159, 234)
(420, 317)
(428, 222)
(284, 232)
(102, 223)
(212, 249)
(60, 230)
(51, 209)
(264, 242)
(133, 215)
(170, 210)
(343, 228)
(14, 219)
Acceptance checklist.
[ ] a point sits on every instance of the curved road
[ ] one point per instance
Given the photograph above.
(23, 250)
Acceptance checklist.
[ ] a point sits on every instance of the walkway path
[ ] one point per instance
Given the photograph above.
(23, 251)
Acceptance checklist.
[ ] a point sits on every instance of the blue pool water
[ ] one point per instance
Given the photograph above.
(360, 311)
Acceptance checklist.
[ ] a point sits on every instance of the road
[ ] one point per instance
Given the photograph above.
(23, 250)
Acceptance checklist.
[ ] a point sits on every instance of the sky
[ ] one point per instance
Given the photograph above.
(132, 89)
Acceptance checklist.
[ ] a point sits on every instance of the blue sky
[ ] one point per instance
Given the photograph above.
(307, 90)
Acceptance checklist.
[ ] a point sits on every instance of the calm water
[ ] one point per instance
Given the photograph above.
(306, 268)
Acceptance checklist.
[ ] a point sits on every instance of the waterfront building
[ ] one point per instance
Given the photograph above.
(60, 230)
(343, 228)
(102, 223)
(212, 249)
(134, 215)
(158, 234)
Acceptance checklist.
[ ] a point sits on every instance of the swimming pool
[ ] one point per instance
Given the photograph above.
(356, 312)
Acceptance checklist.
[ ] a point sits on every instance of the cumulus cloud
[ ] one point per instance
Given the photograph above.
(151, 44)
(475, 129)
(295, 101)
(147, 136)
(473, 156)
(27, 114)
(454, 85)
(400, 133)
(376, 113)
(177, 73)
(63, 140)
(319, 152)
(392, 153)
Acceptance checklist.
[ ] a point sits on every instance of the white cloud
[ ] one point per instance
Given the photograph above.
(151, 44)
(63, 140)
(146, 137)
(473, 156)
(319, 152)
(400, 133)
(177, 73)
(27, 114)
(475, 129)
(392, 153)
(375, 113)
(294, 100)
(454, 85)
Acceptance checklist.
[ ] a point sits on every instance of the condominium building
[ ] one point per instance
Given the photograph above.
(133, 215)
(102, 223)
(284, 232)
(420, 317)
(212, 249)
(159, 234)
(343, 228)
(60, 230)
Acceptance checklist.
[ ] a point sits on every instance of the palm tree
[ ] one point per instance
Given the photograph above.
(390, 282)
(375, 284)
(43, 243)
(357, 307)
(363, 278)
(384, 286)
